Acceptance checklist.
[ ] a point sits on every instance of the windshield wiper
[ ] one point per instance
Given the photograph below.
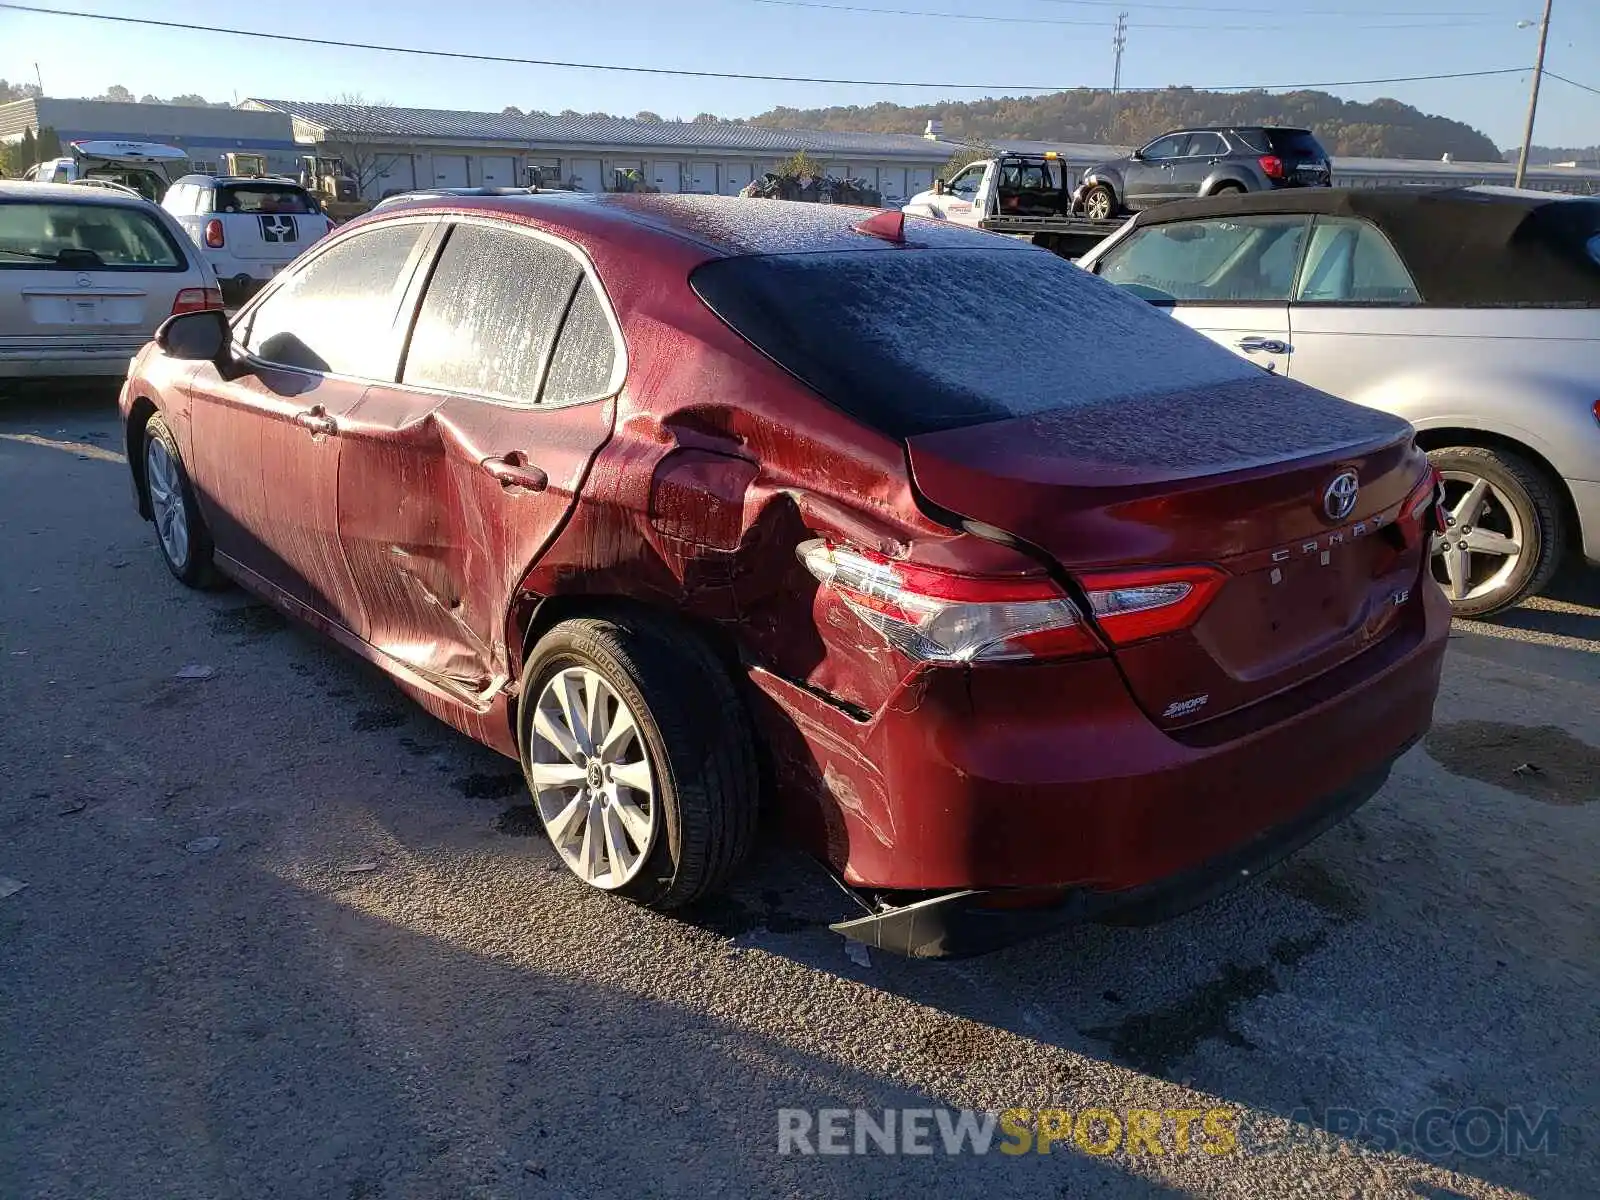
(71, 256)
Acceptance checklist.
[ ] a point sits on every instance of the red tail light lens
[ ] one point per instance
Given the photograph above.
(939, 616)
(1597, 410)
(196, 300)
(214, 237)
(1423, 512)
(1272, 167)
(1131, 606)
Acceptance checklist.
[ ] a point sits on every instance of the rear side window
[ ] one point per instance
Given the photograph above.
(1295, 143)
(488, 320)
(585, 357)
(262, 198)
(1594, 248)
(84, 237)
(876, 332)
(335, 315)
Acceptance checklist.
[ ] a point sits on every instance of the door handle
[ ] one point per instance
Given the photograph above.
(513, 470)
(317, 420)
(1261, 345)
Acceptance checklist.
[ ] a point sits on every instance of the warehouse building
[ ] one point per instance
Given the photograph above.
(409, 148)
(399, 149)
(205, 133)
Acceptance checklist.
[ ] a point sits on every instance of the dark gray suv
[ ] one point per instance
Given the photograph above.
(1204, 162)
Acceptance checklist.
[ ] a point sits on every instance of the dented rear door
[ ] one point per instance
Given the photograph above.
(454, 479)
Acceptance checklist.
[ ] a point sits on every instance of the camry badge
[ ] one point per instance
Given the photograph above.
(1339, 499)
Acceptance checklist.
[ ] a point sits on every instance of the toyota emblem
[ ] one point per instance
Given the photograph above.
(1339, 498)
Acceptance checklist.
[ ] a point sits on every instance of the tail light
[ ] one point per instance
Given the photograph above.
(1131, 606)
(196, 300)
(939, 616)
(1597, 410)
(1272, 167)
(214, 233)
(1423, 511)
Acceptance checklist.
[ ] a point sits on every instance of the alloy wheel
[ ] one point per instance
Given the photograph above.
(1098, 206)
(592, 780)
(165, 485)
(1483, 538)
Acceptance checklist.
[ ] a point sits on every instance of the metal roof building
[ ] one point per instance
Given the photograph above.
(205, 133)
(404, 148)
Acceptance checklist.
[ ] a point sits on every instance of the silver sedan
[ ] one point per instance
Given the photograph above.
(1474, 313)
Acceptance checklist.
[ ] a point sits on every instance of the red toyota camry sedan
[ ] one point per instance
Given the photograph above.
(1015, 600)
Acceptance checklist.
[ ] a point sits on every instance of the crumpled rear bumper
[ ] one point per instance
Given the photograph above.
(963, 923)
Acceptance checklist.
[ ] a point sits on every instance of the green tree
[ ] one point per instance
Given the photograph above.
(49, 144)
(117, 94)
(801, 165)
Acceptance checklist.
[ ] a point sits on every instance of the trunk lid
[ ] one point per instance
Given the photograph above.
(1240, 476)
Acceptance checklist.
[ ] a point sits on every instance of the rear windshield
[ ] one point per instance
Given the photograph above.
(263, 198)
(1295, 143)
(84, 237)
(916, 341)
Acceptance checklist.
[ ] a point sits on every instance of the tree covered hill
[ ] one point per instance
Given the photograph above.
(1382, 128)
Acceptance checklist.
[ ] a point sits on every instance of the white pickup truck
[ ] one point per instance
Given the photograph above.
(1023, 195)
(147, 167)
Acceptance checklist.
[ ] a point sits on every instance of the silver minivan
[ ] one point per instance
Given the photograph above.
(1474, 313)
(86, 275)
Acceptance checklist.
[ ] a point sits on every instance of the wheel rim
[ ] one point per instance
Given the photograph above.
(1099, 205)
(591, 776)
(1483, 540)
(166, 501)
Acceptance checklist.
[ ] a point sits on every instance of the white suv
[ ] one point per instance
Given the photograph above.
(247, 228)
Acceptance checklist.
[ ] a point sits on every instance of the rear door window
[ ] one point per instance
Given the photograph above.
(1202, 145)
(1351, 262)
(488, 320)
(84, 237)
(1226, 260)
(335, 314)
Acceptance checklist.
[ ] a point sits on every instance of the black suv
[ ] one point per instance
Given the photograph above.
(1204, 162)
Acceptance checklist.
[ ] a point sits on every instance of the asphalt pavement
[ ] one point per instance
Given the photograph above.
(267, 929)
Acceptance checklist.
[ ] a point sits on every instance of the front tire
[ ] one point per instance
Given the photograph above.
(639, 756)
(181, 532)
(1504, 533)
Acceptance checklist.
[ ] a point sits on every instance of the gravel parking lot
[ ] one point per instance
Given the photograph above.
(266, 929)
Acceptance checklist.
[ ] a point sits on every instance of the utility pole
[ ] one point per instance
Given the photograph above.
(1533, 96)
(39, 78)
(1119, 42)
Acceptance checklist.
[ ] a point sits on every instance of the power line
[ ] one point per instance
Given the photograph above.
(304, 40)
(950, 16)
(1216, 8)
(1573, 83)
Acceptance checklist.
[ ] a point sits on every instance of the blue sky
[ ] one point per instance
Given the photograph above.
(1230, 42)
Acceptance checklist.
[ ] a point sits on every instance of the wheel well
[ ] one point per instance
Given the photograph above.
(534, 618)
(1439, 439)
(138, 417)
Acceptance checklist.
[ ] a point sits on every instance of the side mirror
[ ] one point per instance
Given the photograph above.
(203, 336)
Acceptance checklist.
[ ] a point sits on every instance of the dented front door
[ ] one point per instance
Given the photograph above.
(452, 481)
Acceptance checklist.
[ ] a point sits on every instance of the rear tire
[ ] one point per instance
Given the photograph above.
(660, 769)
(1228, 189)
(1099, 203)
(1506, 531)
(181, 532)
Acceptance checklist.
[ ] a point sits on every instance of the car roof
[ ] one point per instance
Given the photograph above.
(1463, 245)
(58, 193)
(724, 226)
(202, 177)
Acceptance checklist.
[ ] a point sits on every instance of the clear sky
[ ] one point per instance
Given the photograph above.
(1047, 44)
